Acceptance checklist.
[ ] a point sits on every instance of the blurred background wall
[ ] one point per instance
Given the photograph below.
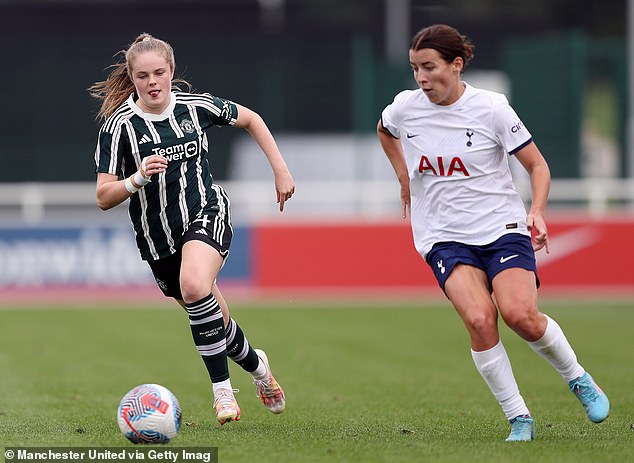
(308, 66)
(319, 72)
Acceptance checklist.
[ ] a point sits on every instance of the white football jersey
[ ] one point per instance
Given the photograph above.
(457, 157)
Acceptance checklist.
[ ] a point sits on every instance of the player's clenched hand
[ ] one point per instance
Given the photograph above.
(539, 234)
(154, 164)
(285, 187)
(150, 165)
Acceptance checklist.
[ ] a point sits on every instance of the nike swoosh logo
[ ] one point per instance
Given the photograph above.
(506, 259)
(412, 135)
(568, 243)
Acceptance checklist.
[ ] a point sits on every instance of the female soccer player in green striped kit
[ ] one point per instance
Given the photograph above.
(449, 144)
(152, 149)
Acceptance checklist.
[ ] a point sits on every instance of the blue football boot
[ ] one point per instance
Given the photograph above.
(522, 429)
(591, 396)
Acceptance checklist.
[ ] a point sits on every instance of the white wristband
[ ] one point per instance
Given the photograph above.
(139, 179)
(129, 186)
(135, 182)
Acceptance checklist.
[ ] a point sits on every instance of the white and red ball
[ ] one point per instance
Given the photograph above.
(149, 414)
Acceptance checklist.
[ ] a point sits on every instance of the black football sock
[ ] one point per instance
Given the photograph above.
(238, 348)
(208, 331)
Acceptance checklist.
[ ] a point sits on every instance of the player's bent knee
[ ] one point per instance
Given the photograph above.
(523, 321)
(481, 323)
(194, 290)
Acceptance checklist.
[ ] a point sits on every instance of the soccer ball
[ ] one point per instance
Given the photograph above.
(149, 414)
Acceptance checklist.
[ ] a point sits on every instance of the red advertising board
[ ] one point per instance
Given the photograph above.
(337, 255)
(584, 252)
(589, 253)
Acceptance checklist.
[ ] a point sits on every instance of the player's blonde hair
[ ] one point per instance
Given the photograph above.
(118, 86)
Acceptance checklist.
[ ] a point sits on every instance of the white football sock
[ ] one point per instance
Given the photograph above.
(260, 371)
(226, 384)
(495, 367)
(555, 348)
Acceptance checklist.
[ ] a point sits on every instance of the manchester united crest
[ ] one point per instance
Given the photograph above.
(187, 126)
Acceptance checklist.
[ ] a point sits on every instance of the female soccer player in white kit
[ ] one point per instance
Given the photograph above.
(152, 149)
(448, 144)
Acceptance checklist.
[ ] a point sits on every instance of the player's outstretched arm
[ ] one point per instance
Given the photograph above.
(255, 125)
(394, 152)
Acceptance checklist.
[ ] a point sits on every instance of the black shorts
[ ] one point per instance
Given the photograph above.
(511, 250)
(215, 230)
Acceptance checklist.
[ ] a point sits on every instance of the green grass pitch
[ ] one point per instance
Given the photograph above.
(380, 382)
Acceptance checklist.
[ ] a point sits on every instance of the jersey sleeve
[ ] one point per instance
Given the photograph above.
(217, 111)
(391, 117)
(111, 149)
(509, 128)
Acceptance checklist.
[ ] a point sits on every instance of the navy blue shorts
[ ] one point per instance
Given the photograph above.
(511, 250)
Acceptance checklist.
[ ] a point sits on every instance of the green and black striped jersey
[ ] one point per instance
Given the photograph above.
(163, 210)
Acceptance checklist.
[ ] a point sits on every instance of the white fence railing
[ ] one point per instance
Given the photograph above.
(32, 203)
